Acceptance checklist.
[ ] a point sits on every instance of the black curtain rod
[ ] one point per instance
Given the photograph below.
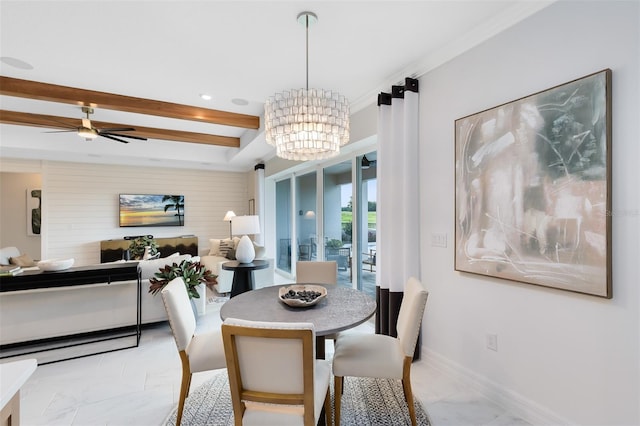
(410, 84)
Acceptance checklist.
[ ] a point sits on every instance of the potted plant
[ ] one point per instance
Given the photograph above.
(192, 273)
(333, 245)
(138, 246)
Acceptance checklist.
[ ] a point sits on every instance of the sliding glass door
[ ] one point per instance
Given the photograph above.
(367, 225)
(338, 218)
(283, 225)
(307, 237)
(329, 213)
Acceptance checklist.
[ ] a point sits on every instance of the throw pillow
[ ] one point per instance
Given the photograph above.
(260, 251)
(225, 247)
(231, 255)
(214, 247)
(23, 260)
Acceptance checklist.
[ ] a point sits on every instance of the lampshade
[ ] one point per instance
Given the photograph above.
(229, 215)
(310, 214)
(307, 124)
(243, 225)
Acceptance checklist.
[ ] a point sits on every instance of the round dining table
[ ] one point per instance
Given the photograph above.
(341, 309)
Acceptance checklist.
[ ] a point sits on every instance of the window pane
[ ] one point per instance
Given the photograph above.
(306, 225)
(283, 224)
(338, 219)
(368, 223)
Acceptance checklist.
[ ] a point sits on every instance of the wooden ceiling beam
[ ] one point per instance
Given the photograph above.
(65, 123)
(51, 92)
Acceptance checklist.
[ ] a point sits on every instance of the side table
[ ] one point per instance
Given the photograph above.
(243, 274)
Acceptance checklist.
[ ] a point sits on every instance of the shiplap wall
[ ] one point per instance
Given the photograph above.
(80, 204)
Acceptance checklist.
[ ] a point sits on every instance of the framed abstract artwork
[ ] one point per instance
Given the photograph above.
(533, 188)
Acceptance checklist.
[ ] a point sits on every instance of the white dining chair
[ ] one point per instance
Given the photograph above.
(321, 272)
(325, 272)
(381, 356)
(274, 377)
(198, 352)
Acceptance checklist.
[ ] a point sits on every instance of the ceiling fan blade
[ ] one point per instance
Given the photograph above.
(111, 137)
(61, 131)
(117, 129)
(101, 133)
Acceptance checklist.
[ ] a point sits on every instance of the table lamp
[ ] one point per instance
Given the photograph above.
(227, 218)
(245, 225)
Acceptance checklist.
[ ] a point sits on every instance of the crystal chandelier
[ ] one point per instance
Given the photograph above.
(307, 124)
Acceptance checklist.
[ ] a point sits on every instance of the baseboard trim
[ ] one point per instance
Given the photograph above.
(508, 399)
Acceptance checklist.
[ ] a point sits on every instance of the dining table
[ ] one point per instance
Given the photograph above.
(341, 309)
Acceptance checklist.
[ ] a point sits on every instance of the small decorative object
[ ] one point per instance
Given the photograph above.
(34, 211)
(245, 225)
(192, 273)
(138, 247)
(533, 188)
(55, 264)
(300, 296)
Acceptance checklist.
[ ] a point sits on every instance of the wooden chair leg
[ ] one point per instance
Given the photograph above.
(184, 387)
(328, 421)
(184, 390)
(406, 386)
(337, 396)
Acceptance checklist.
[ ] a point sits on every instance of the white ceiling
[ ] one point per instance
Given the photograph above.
(175, 50)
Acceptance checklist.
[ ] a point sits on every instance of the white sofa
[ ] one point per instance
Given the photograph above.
(11, 255)
(215, 259)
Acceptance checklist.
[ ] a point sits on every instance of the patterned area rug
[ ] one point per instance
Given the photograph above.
(364, 402)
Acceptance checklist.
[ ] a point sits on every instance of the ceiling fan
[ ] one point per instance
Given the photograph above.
(366, 163)
(87, 131)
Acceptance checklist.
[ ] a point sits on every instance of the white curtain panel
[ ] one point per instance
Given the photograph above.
(259, 202)
(398, 240)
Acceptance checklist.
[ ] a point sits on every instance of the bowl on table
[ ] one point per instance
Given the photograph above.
(55, 264)
(301, 295)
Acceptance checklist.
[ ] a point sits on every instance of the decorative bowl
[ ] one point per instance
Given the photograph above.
(55, 264)
(298, 301)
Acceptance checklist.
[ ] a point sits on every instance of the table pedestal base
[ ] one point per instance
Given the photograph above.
(242, 281)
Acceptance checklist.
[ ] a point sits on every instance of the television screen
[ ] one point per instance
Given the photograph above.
(151, 210)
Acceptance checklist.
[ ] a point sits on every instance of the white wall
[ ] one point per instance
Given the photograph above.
(562, 357)
(80, 204)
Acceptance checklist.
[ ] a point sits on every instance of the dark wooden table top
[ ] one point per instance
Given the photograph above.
(341, 309)
(232, 265)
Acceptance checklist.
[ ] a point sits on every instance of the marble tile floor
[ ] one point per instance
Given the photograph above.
(140, 386)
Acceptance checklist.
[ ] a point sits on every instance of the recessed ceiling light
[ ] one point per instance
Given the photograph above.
(205, 96)
(239, 101)
(15, 62)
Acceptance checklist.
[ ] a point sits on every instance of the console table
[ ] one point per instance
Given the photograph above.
(45, 303)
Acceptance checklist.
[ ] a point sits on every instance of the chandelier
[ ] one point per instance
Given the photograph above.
(307, 124)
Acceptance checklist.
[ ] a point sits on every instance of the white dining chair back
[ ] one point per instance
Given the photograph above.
(381, 356)
(322, 272)
(274, 377)
(198, 352)
(410, 316)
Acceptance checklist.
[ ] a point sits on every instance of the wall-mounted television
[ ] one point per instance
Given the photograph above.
(151, 210)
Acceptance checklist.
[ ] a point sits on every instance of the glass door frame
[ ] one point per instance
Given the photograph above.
(309, 167)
